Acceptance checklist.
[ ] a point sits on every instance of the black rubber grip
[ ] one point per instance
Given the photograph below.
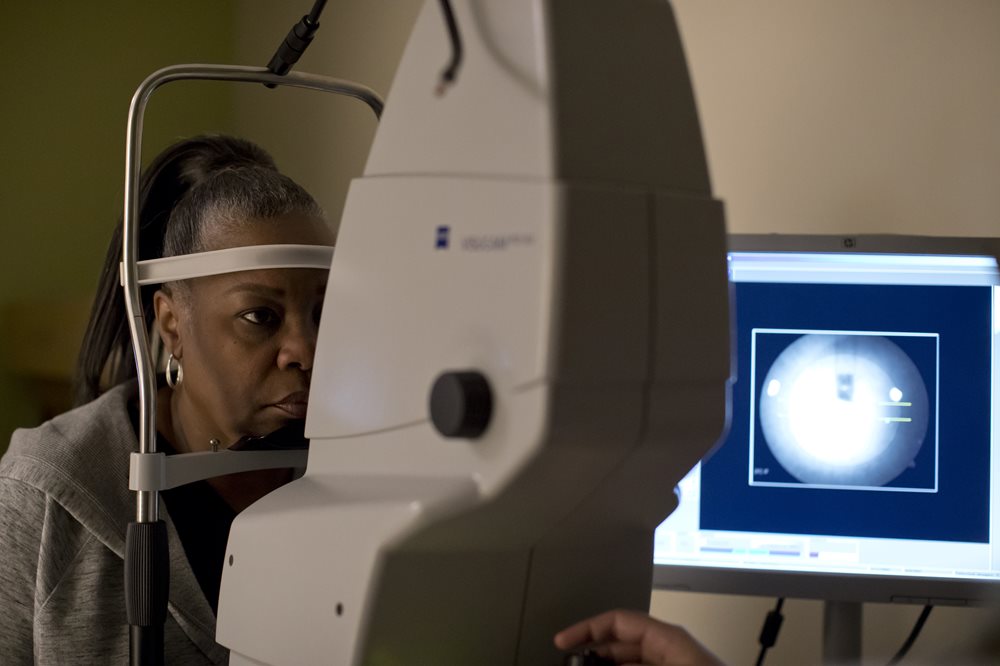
(146, 646)
(147, 586)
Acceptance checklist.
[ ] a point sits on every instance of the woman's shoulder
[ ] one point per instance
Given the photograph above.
(80, 459)
(79, 431)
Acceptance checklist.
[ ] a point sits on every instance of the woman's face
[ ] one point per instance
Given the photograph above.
(246, 340)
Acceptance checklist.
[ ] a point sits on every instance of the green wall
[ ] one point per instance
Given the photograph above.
(70, 70)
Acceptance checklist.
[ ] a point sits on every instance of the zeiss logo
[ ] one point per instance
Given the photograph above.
(441, 238)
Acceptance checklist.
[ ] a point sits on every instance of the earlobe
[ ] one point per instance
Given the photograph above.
(167, 321)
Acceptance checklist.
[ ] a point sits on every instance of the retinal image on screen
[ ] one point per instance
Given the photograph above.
(846, 391)
(862, 428)
(843, 409)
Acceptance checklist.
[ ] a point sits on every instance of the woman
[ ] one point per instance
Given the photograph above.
(240, 350)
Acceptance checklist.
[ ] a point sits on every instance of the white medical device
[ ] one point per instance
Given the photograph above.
(524, 347)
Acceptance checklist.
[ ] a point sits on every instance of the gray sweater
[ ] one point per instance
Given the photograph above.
(64, 505)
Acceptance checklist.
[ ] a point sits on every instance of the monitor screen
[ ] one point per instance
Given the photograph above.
(860, 463)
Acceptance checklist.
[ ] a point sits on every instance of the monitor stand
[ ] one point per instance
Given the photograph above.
(841, 632)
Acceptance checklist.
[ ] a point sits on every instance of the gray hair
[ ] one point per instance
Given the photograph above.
(231, 199)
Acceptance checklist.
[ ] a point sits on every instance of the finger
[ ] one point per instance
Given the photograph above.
(585, 631)
(616, 625)
(674, 645)
(620, 653)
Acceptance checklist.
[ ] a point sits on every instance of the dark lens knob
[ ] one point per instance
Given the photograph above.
(461, 404)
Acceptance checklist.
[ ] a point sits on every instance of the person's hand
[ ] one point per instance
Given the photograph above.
(628, 637)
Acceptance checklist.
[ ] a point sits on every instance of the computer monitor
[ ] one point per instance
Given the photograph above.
(862, 460)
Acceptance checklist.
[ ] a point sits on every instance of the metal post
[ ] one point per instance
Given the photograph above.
(841, 633)
(147, 567)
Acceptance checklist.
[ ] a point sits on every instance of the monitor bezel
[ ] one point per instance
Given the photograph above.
(868, 588)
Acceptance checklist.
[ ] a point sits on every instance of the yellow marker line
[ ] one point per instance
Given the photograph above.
(895, 419)
(895, 404)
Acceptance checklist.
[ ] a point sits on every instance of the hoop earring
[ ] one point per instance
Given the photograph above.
(175, 373)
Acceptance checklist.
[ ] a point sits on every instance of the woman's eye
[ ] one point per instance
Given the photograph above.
(261, 317)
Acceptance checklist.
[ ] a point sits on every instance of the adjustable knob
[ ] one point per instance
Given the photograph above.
(461, 404)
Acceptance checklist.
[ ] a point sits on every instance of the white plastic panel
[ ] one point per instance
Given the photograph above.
(480, 301)
(300, 564)
(502, 85)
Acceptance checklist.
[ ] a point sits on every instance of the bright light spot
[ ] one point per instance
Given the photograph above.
(829, 427)
(773, 387)
(895, 394)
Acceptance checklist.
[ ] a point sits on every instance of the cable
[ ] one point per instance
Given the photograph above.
(296, 42)
(450, 72)
(908, 643)
(317, 9)
(769, 632)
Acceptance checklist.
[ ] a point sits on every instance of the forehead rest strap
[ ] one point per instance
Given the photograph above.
(232, 260)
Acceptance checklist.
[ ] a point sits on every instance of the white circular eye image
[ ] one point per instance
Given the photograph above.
(844, 410)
